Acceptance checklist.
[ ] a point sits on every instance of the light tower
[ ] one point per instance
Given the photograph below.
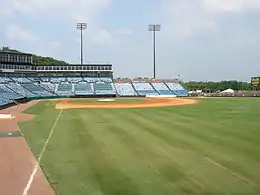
(154, 28)
(81, 26)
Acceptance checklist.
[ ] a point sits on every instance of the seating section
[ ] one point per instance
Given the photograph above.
(4, 100)
(178, 89)
(94, 80)
(48, 86)
(57, 79)
(7, 96)
(21, 90)
(83, 88)
(21, 80)
(37, 89)
(45, 79)
(11, 94)
(64, 89)
(74, 79)
(162, 89)
(125, 89)
(103, 88)
(35, 79)
(144, 89)
(4, 79)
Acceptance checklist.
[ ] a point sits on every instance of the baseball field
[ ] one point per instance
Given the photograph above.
(211, 147)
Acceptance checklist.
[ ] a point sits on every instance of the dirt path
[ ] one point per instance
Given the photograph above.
(150, 102)
(16, 159)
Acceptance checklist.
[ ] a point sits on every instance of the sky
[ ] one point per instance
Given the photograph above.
(199, 39)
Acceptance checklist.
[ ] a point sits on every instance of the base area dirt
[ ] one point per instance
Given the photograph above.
(16, 159)
(150, 102)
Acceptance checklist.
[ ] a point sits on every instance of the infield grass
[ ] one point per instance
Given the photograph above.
(211, 148)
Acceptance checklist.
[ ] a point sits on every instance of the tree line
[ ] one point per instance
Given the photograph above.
(212, 87)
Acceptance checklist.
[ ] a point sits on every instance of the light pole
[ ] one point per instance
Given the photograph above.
(154, 28)
(81, 26)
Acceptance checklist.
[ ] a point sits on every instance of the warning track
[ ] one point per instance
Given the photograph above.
(149, 103)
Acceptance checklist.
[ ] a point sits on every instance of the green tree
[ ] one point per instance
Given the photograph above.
(217, 86)
(39, 60)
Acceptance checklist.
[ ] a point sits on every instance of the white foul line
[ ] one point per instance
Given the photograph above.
(29, 183)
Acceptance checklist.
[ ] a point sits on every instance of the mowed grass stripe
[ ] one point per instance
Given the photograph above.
(167, 135)
(129, 156)
(238, 152)
(173, 172)
(229, 128)
(236, 149)
(98, 174)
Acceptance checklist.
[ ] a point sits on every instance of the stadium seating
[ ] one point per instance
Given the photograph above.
(12, 95)
(162, 89)
(21, 79)
(64, 89)
(4, 79)
(57, 79)
(177, 89)
(14, 88)
(48, 86)
(4, 100)
(7, 96)
(74, 79)
(99, 79)
(83, 88)
(103, 88)
(45, 79)
(144, 89)
(21, 90)
(37, 89)
(125, 89)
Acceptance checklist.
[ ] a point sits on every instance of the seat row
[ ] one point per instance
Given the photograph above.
(84, 88)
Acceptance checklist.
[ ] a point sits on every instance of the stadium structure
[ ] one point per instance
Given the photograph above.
(22, 80)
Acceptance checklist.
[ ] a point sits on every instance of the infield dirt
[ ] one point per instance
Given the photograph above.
(149, 103)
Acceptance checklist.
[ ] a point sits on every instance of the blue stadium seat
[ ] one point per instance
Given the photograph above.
(64, 89)
(162, 89)
(103, 88)
(144, 88)
(125, 89)
(83, 88)
(177, 89)
(37, 89)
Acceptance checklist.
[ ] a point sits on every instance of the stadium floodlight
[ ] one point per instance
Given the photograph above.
(154, 28)
(81, 26)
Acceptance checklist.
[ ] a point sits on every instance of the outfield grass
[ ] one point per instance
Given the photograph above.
(117, 100)
(211, 148)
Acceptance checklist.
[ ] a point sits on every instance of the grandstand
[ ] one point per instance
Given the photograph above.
(144, 88)
(177, 89)
(21, 80)
(125, 89)
(162, 89)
